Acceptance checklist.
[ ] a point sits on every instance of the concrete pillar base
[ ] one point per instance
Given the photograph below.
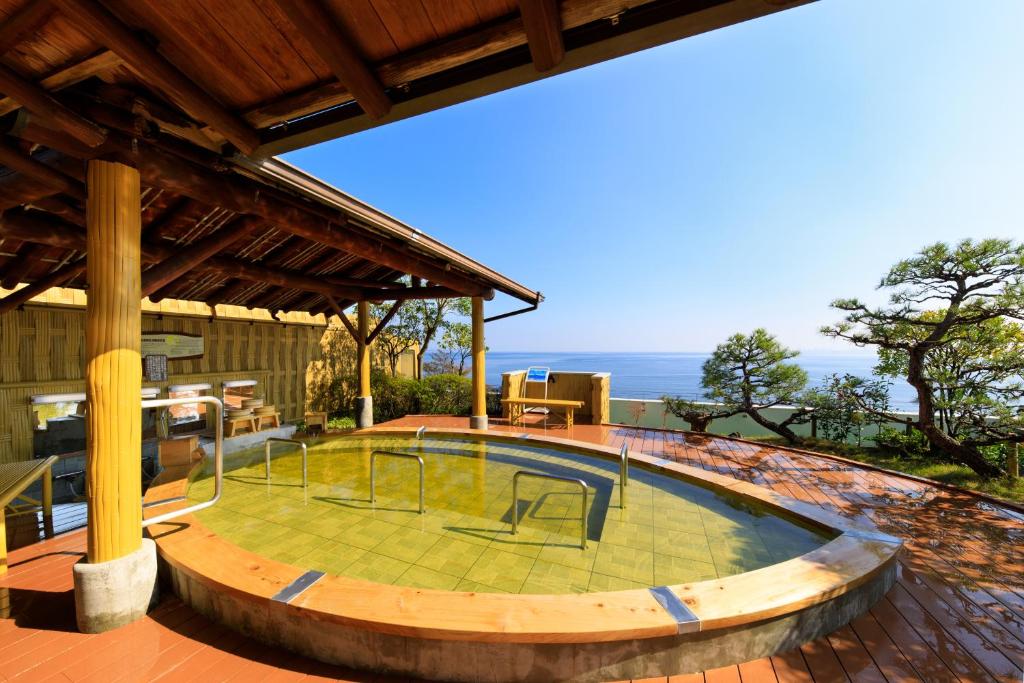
(364, 411)
(114, 593)
(478, 422)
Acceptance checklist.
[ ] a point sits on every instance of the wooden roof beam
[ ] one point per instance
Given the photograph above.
(196, 253)
(94, 20)
(543, 26)
(54, 279)
(243, 196)
(51, 113)
(18, 268)
(12, 157)
(69, 75)
(23, 23)
(324, 35)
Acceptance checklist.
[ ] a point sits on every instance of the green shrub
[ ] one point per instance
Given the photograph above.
(393, 397)
(896, 440)
(445, 395)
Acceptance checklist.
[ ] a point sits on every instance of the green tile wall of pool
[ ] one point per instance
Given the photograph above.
(669, 532)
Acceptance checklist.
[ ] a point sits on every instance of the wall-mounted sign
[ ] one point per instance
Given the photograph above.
(174, 345)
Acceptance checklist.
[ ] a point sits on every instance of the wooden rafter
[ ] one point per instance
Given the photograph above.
(54, 114)
(196, 253)
(65, 76)
(19, 267)
(448, 54)
(23, 23)
(94, 20)
(15, 159)
(54, 279)
(543, 27)
(320, 29)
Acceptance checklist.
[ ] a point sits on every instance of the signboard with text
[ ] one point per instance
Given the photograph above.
(174, 345)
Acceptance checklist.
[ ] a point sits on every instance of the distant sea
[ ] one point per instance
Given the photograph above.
(653, 375)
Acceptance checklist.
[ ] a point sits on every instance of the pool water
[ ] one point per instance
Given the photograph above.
(669, 532)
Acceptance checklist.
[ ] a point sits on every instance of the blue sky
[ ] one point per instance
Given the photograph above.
(741, 178)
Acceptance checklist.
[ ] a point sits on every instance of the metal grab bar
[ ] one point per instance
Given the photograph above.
(218, 456)
(542, 475)
(623, 475)
(393, 454)
(421, 431)
(275, 439)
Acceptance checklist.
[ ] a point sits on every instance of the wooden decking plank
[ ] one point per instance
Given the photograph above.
(758, 671)
(822, 662)
(886, 654)
(930, 613)
(725, 674)
(790, 667)
(853, 657)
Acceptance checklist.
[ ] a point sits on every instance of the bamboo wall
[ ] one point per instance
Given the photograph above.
(42, 352)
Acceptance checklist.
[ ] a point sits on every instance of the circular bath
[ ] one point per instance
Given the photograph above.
(468, 556)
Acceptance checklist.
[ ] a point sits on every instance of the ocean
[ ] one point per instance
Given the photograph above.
(653, 375)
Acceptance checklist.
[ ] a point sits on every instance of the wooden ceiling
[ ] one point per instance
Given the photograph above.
(199, 94)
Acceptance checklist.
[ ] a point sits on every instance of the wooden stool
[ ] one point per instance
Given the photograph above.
(249, 422)
(275, 420)
(316, 419)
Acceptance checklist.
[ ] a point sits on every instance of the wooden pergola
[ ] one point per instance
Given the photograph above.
(138, 141)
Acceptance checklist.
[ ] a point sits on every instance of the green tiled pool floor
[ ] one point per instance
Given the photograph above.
(670, 531)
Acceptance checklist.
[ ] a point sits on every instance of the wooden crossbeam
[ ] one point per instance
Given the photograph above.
(93, 19)
(15, 159)
(333, 304)
(54, 114)
(543, 27)
(322, 32)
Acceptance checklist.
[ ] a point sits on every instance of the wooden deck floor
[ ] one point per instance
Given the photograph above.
(956, 613)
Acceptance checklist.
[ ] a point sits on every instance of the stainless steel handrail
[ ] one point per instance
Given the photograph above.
(421, 431)
(623, 475)
(393, 454)
(543, 475)
(218, 455)
(266, 456)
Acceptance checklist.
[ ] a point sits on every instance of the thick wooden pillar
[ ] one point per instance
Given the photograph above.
(113, 370)
(478, 419)
(364, 402)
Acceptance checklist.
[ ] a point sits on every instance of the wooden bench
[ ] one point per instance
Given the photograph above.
(517, 406)
(15, 477)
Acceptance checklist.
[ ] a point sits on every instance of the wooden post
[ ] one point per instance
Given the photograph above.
(364, 402)
(113, 370)
(478, 419)
(1013, 461)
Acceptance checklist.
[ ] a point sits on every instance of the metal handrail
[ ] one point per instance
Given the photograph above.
(556, 477)
(266, 455)
(218, 456)
(393, 454)
(421, 431)
(623, 475)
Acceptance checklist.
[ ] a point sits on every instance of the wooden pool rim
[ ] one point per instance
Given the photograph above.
(853, 558)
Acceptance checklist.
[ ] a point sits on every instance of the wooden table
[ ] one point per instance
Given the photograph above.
(517, 406)
(15, 477)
